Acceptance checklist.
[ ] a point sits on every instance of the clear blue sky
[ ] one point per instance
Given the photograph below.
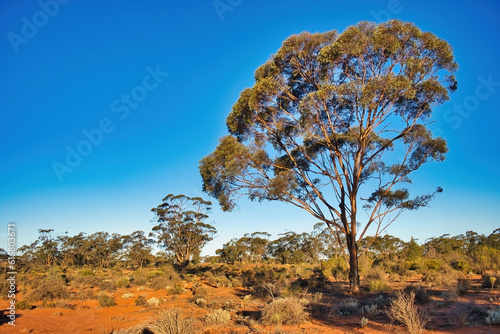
(151, 83)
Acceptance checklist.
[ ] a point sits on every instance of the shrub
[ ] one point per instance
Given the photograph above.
(83, 294)
(127, 295)
(105, 300)
(107, 285)
(335, 267)
(4, 288)
(23, 305)
(376, 280)
(86, 272)
(236, 283)
(461, 315)
(348, 306)
(493, 317)
(433, 264)
(153, 301)
(220, 281)
(123, 282)
(462, 266)
(201, 292)
(289, 311)
(164, 282)
(363, 322)
(219, 317)
(49, 289)
(403, 310)
(141, 301)
(154, 273)
(491, 280)
(369, 310)
(449, 296)
(421, 294)
(177, 289)
(172, 322)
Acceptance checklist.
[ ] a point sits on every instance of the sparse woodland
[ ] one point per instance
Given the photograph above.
(335, 124)
(272, 285)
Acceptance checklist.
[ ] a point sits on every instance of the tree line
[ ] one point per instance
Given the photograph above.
(469, 252)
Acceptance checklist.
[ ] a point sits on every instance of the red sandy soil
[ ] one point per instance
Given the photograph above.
(88, 317)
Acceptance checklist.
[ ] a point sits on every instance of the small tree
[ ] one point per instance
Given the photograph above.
(181, 227)
(318, 127)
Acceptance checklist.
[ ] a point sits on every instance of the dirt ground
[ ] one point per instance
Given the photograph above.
(88, 317)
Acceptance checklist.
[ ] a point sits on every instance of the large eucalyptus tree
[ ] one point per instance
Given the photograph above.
(336, 123)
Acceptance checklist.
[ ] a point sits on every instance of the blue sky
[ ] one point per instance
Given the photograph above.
(149, 84)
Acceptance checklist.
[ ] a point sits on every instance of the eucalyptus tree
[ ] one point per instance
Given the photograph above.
(181, 228)
(336, 123)
(137, 248)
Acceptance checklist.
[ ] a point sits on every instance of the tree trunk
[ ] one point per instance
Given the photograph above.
(353, 264)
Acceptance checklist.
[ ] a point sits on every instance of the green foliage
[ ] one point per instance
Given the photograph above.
(123, 282)
(375, 281)
(86, 272)
(335, 267)
(432, 264)
(462, 266)
(138, 248)
(23, 305)
(154, 273)
(105, 300)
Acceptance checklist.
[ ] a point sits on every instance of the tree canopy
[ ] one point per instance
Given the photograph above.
(181, 227)
(335, 123)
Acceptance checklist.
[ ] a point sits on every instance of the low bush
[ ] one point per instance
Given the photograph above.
(462, 266)
(491, 280)
(108, 285)
(177, 289)
(288, 311)
(141, 301)
(219, 317)
(105, 300)
(449, 296)
(463, 286)
(375, 281)
(154, 273)
(84, 294)
(369, 310)
(49, 289)
(463, 315)
(123, 282)
(86, 272)
(421, 294)
(23, 305)
(493, 317)
(172, 322)
(220, 281)
(348, 306)
(153, 301)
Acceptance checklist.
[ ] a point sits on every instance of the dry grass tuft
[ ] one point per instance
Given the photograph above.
(403, 310)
